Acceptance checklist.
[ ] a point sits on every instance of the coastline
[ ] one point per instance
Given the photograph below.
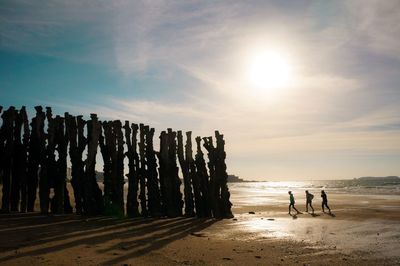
(363, 230)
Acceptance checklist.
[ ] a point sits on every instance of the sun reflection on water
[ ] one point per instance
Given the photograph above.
(268, 228)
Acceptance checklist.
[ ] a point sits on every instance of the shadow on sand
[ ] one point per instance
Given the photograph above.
(47, 234)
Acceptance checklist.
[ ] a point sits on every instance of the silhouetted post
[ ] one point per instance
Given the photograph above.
(8, 131)
(119, 168)
(213, 190)
(202, 176)
(57, 202)
(165, 186)
(77, 144)
(188, 195)
(63, 163)
(48, 167)
(142, 172)
(132, 205)
(222, 177)
(71, 134)
(1, 146)
(61, 198)
(193, 175)
(93, 198)
(105, 141)
(23, 160)
(19, 171)
(174, 176)
(17, 164)
(153, 190)
(36, 156)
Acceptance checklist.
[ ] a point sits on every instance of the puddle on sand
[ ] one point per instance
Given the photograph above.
(375, 236)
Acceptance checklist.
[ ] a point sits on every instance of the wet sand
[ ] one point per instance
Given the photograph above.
(364, 230)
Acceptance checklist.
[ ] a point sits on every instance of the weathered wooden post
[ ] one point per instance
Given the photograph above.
(93, 198)
(177, 202)
(1, 145)
(57, 202)
(193, 175)
(222, 177)
(213, 189)
(104, 142)
(153, 190)
(48, 167)
(71, 134)
(119, 168)
(24, 160)
(202, 176)
(142, 171)
(8, 131)
(187, 190)
(63, 163)
(61, 197)
(165, 190)
(17, 162)
(77, 145)
(132, 205)
(19, 168)
(37, 149)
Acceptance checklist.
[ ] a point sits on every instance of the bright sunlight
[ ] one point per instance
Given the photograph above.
(269, 70)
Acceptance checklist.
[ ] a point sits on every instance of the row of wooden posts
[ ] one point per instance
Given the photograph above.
(33, 158)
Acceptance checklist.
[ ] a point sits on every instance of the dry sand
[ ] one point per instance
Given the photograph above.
(364, 230)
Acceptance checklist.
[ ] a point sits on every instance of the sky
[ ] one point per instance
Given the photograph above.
(185, 65)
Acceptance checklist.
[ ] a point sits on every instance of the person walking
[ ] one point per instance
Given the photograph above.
(292, 202)
(309, 198)
(324, 201)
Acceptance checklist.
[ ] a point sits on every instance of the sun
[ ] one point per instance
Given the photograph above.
(269, 70)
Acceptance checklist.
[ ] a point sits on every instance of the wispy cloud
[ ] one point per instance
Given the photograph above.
(345, 55)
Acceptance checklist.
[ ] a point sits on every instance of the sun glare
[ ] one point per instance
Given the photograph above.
(269, 70)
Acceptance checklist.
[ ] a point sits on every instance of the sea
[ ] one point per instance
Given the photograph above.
(275, 192)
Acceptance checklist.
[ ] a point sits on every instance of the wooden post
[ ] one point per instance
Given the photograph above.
(93, 198)
(213, 187)
(165, 190)
(36, 156)
(204, 180)
(7, 129)
(119, 168)
(142, 171)
(153, 190)
(132, 205)
(24, 160)
(2, 140)
(193, 175)
(222, 175)
(17, 162)
(177, 202)
(188, 194)
(105, 142)
(78, 166)
(47, 169)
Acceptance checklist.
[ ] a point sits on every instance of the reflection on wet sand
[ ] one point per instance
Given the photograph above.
(358, 223)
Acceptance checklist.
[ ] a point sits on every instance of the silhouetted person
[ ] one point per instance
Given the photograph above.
(309, 198)
(324, 201)
(292, 202)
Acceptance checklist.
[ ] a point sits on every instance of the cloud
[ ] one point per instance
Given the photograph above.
(197, 51)
(375, 24)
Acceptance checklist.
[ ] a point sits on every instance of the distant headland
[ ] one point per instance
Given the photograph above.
(379, 178)
(236, 179)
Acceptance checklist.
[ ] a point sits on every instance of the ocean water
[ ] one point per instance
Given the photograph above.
(337, 186)
(275, 192)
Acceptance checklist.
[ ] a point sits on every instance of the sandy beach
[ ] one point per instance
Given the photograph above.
(363, 230)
